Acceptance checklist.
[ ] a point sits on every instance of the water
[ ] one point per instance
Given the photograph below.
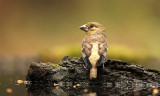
(11, 70)
(10, 87)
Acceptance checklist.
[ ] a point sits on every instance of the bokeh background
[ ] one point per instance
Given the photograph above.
(47, 30)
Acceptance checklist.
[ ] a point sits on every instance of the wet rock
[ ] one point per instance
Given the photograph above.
(117, 78)
(72, 70)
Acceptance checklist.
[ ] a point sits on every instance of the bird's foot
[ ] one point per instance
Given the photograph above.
(85, 67)
(105, 69)
(103, 65)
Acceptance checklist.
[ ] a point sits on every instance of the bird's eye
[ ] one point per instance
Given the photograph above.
(91, 26)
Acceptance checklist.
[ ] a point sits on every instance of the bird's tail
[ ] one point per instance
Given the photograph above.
(93, 72)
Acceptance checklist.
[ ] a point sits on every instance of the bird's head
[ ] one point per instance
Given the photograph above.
(92, 28)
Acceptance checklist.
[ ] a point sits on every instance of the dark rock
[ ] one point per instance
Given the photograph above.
(116, 78)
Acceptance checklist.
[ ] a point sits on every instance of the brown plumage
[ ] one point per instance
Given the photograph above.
(94, 46)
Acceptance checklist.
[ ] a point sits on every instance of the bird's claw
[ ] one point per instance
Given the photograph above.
(103, 65)
(85, 67)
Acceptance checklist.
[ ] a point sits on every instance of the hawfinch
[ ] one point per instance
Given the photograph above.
(94, 47)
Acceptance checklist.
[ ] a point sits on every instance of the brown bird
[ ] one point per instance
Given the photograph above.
(94, 47)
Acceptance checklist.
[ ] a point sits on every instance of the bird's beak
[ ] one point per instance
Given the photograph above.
(84, 28)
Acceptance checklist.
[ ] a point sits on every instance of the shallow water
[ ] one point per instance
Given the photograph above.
(9, 86)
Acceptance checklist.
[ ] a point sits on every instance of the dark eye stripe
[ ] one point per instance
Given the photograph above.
(91, 26)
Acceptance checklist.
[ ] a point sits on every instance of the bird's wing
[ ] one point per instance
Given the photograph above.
(103, 48)
(86, 52)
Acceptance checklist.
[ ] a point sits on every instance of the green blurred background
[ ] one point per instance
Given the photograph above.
(48, 30)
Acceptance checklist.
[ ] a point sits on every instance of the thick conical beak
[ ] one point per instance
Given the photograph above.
(84, 28)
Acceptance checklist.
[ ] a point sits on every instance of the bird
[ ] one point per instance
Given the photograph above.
(94, 46)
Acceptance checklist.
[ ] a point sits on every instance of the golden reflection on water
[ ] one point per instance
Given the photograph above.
(19, 81)
(57, 87)
(74, 86)
(78, 84)
(25, 82)
(9, 90)
(155, 91)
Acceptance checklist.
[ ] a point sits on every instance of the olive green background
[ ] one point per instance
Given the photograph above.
(49, 29)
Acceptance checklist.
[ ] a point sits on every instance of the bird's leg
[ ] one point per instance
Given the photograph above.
(85, 67)
(103, 65)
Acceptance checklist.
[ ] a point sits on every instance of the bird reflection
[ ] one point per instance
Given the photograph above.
(90, 94)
